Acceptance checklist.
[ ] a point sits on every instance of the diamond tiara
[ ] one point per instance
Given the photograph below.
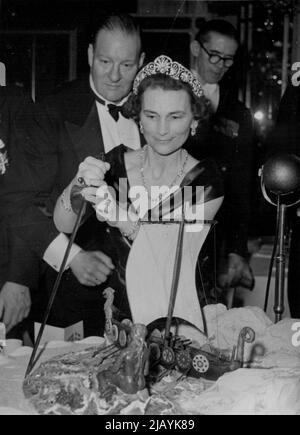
(165, 65)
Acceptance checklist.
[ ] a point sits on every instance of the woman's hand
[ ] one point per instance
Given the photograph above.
(89, 177)
(91, 172)
(106, 205)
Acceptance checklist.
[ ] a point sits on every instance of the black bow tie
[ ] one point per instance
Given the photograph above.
(113, 109)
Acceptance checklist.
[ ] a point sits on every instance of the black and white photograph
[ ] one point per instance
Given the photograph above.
(150, 210)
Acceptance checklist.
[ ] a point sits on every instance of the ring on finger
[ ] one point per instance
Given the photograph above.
(81, 181)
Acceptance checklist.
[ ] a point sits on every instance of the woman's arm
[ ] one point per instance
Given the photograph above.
(64, 215)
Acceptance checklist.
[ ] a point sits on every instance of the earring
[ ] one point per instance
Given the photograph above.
(141, 128)
(194, 128)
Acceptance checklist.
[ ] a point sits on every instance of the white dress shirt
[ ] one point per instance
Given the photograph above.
(114, 133)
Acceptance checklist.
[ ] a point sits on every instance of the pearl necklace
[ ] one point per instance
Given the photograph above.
(174, 182)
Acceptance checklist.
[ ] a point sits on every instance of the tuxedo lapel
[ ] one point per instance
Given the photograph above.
(87, 138)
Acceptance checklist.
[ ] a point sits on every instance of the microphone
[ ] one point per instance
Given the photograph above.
(280, 184)
(280, 176)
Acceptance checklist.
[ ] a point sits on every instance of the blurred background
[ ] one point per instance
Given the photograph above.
(44, 43)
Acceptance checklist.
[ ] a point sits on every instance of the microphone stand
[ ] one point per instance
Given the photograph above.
(281, 176)
(280, 263)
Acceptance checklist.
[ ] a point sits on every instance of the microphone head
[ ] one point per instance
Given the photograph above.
(281, 174)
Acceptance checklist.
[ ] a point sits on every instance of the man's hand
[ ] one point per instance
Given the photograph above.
(15, 303)
(91, 268)
(235, 270)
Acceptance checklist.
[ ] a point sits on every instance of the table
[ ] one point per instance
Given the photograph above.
(270, 386)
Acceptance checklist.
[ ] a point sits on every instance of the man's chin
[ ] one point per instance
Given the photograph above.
(215, 78)
(115, 95)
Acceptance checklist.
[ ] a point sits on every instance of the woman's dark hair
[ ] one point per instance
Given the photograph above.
(200, 105)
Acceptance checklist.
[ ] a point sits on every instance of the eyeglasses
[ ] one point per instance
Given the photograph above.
(216, 58)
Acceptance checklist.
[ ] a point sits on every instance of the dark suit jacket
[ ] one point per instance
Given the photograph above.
(228, 139)
(17, 263)
(13, 107)
(285, 137)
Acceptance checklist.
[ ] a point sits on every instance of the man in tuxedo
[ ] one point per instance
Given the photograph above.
(83, 118)
(228, 139)
(17, 264)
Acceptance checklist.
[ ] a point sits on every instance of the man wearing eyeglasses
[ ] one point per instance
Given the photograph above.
(228, 139)
(214, 53)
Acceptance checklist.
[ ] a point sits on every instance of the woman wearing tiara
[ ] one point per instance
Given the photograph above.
(152, 184)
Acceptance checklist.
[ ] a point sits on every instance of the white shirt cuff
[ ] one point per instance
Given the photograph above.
(55, 252)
